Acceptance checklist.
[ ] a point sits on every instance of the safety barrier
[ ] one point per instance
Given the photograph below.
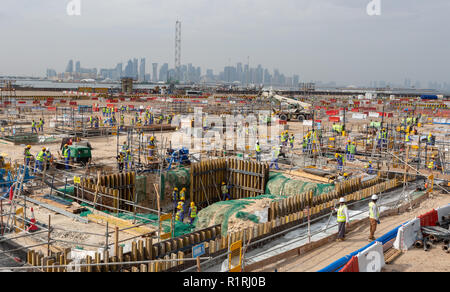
(352, 266)
(405, 235)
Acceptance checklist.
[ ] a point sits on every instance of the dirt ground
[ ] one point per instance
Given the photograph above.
(411, 261)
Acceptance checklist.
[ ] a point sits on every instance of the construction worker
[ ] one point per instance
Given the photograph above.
(430, 140)
(28, 155)
(342, 219)
(346, 177)
(96, 122)
(40, 159)
(374, 217)
(66, 155)
(340, 161)
(175, 197)
(128, 160)
(120, 161)
(275, 154)
(407, 139)
(225, 192)
(180, 214)
(122, 122)
(32, 227)
(33, 127)
(431, 164)
(41, 125)
(91, 121)
(352, 150)
(258, 151)
(124, 147)
(347, 149)
(304, 144)
(192, 212)
(49, 158)
(291, 141)
(369, 168)
(152, 145)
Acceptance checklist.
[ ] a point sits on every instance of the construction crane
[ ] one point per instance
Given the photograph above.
(297, 110)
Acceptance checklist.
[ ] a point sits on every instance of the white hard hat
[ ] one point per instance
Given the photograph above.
(342, 200)
(374, 197)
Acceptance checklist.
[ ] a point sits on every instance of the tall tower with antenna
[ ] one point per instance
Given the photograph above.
(178, 49)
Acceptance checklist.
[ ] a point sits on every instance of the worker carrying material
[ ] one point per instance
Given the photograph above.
(192, 212)
(342, 219)
(374, 217)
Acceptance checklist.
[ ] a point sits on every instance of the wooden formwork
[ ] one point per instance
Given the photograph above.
(323, 203)
(145, 249)
(246, 178)
(118, 187)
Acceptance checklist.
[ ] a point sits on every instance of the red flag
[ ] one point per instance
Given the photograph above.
(11, 193)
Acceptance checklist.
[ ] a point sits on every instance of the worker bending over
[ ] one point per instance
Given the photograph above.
(225, 192)
(374, 217)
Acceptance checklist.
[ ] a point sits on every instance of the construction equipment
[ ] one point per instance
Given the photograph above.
(297, 110)
(180, 156)
(80, 154)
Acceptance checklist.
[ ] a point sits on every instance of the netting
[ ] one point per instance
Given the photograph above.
(152, 219)
(222, 212)
(247, 216)
(179, 178)
(280, 185)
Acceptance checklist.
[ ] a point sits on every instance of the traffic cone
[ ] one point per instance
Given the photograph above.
(32, 226)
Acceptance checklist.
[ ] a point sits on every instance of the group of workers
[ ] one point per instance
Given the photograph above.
(44, 158)
(179, 199)
(343, 218)
(125, 158)
(37, 127)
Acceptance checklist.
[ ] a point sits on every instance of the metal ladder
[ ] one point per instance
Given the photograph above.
(17, 191)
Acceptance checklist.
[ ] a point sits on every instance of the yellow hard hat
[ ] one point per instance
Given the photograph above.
(66, 145)
(175, 189)
(370, 161)
(192, 204)
(43, 149)
(128, 151)
(336, 155)
(179, 207)
(349, 141)
(28, 146)
(152, 138)
(345, 174)
(183, 189)
(223, 182)
(353, 142)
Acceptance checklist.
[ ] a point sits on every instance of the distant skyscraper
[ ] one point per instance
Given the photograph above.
(129, 69)
(296, 80)
(78, 67)
(142, 70)
(134, 73)
(69, 67)
(155, 72)
(163, 72)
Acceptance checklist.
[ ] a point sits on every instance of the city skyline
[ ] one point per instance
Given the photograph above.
(316, 39)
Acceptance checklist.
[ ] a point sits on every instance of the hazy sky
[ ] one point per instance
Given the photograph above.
(317, 39)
